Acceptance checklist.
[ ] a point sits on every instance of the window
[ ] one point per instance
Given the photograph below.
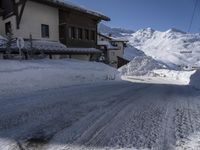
(92, 35)
(113, 53)
(80, 33)
(73, 32)
(45, 31)
(8, 27)
(86, 34)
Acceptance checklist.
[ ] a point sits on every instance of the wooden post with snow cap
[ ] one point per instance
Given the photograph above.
(31, 45)
(20, 45)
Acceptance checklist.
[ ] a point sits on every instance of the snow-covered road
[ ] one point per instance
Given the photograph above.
(107, 115)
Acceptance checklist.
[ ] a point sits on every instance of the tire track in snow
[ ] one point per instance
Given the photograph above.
(103, 121)
(188, 131)
(158, 117)
(136, 125)
(64, 114)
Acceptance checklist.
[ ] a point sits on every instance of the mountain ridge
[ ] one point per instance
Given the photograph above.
(173, 47)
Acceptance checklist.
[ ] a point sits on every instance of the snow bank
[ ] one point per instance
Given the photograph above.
(141, 65)
(195, 79)
(43, 74)
(181, 76)
(144, 68)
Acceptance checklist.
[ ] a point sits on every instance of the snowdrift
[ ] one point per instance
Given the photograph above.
(141, 65)
(44, 74)
(180, 76)
(146, 68)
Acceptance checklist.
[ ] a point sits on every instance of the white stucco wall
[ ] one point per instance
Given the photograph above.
(1, 26)
(121, 47)
(34, 15)
(113, 54)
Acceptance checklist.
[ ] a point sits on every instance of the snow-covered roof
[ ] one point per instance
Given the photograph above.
(107, 44)
(114, 39)
(119, 39)
(67, 4)
(52, 47)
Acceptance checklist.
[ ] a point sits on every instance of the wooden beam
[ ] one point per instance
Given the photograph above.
(1, 12)
(19, 13)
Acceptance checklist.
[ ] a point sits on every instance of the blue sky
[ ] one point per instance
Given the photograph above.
(158, 14)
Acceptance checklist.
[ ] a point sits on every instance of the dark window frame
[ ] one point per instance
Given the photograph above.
(92, 35)
(87, 34)
(45, 31)
(80, 33)
(8, 27)
(73, 32)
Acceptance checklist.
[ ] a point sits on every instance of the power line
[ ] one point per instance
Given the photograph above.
(191, 21)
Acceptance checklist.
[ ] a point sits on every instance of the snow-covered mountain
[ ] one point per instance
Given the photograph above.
(116, 32)
(173, 47)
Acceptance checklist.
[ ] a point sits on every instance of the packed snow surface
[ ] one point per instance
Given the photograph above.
(107, 116)
(43, 74)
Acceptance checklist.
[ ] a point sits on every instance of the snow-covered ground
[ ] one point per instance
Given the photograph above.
(145, 69)
(108, 115)
(52, 105)
(33, 75)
